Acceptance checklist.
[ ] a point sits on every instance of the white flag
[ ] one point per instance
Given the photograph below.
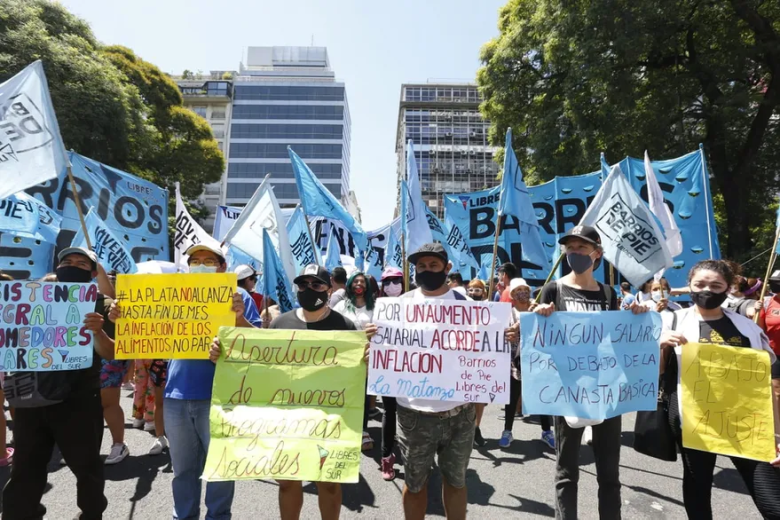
(188, 233)
(660, 209)
(262, 212)
(31, 149)
(631, 239)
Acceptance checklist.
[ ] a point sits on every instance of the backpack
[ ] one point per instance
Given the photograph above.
(38, 389)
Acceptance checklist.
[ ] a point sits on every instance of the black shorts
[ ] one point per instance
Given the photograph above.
(158, 372)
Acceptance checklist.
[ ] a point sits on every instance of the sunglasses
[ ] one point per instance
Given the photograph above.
(388, 281)
(316, 286)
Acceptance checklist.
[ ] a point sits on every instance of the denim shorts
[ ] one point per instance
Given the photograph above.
(423, 436)
(113, 372)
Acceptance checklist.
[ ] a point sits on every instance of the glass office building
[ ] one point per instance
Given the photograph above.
(450, 140)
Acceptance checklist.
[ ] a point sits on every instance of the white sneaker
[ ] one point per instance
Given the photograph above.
(119, 452)
(160, 443)
(149, 427)
(138, 423)
(587, 436)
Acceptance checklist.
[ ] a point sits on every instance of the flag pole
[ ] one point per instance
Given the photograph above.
(492, 274)
(405, 262)
(772, 258)
(77, 201)
(549, 276)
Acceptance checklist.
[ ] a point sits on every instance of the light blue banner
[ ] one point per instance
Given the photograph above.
(303, 250)
(333, 255)
(111, 252)
(275, 282)
(592, 365)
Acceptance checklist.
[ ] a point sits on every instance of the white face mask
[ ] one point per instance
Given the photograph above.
(203, 269)
(657, 296)
(393, 289)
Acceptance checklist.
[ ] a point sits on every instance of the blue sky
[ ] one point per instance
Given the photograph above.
(374, 47)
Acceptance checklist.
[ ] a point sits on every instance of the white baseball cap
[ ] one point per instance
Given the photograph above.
(516, 283)
(244, 271)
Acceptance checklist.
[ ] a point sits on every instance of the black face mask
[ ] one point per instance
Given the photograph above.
(72, 274)
(430, 280)
(774, 287)
(312, 300)
(708, 300)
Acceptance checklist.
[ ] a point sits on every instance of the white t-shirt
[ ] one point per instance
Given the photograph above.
(428, 405)
(336, 296)
(360, 316)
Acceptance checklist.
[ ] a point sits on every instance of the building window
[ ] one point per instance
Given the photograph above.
(219, 130)
(242, 190)
(287, 131)
(217, 114)
(279, 151)
(200, 110)
(280, 170)
(335, 113)
(285, 93)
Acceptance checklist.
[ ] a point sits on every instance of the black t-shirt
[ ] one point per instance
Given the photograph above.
(570, 299)
(721, 332)
(333, 321)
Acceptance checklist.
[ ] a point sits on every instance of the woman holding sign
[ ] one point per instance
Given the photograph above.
(709, 323)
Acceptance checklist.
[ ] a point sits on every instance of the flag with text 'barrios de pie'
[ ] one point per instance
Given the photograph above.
(31, 149)
(631, 239)
(303, 250)
(262, 212)
(516, 201)
(188, 232)
(275, 285)
(111, 253)
(414, 221)
(318, 201)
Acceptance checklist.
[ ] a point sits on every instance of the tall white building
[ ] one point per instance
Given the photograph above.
(279, 97)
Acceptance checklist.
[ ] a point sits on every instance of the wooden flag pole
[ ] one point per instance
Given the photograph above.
(405, 262)
(772, 258)
(77, 201)
(549, 276)
(492, 273)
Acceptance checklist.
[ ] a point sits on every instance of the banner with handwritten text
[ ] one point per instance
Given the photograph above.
(592, 365)
(287, 405)
(172, 316)
(43, 326)
(727, 401)
(447, 350)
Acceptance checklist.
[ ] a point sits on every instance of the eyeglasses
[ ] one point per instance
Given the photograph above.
(316, 286)
(207, 262)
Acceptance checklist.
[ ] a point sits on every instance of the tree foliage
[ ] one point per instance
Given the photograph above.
(574, 79)
(111, 105)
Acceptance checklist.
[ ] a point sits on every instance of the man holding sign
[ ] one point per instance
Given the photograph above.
(63, 407)
(579, 291)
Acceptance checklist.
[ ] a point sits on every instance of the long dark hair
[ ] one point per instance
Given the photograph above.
(352, 297)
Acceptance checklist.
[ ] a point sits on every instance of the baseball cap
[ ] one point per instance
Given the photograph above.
(517, 283)
(431, 249)
(586, 233)
(244, 271)
(775, 276)
(206, 247)
(79, 251)
(314, 271)
(391, 272)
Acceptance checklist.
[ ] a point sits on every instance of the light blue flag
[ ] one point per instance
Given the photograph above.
(318, 201)
(333, 254)
(612, 369)
(416, 229)
(393, 252)
(630, 237)
(488, 268)
(24, 216)
(31, 149)
(275, 283)
(457, 251)
(235, 257)
(111, 252)
(516, 201)
(303, 251)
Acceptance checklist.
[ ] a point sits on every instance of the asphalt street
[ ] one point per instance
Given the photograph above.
(512, 483)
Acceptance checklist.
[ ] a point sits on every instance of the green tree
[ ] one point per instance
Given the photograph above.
(574, 79)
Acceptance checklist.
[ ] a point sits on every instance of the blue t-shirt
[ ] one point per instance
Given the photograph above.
(192, 379)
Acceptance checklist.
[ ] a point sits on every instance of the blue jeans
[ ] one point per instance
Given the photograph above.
(187, 428)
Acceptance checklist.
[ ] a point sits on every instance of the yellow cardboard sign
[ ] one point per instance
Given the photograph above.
(287, 405)
(727, 401)
(172, 316)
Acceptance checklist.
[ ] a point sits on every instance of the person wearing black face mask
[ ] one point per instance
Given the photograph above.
(708, 322)
(74, 422)
(579, 291)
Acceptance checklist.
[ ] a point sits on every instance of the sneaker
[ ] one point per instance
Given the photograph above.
(479, 440)
(160, 443)
(587, 436)
(506, 439)
(368, 442)
(388, 470)
(138, 423)
(549, 438)
(119, 452)
(149, 427)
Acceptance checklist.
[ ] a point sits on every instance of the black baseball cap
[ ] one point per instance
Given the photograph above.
(775, 276)
(314, 271)
(586, 233)
(432, 249)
